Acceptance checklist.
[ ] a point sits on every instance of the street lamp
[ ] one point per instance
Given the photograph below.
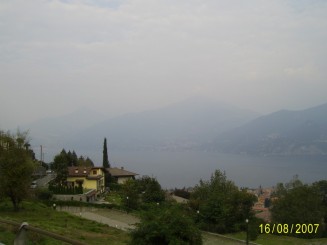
(127, 204)
(198, 215)
(247, 231)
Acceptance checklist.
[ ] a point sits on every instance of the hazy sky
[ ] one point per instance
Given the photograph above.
(120, 56)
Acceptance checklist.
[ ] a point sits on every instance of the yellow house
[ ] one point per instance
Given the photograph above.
(91, 178)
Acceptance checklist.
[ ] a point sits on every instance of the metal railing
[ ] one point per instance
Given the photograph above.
(21, 238)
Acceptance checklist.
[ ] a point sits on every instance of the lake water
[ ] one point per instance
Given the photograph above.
(179, 169)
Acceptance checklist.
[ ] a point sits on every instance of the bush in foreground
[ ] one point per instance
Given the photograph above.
(166, 226)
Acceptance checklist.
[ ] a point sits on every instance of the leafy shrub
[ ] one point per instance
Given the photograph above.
(115, 187)
(166, 225)
(44, 194)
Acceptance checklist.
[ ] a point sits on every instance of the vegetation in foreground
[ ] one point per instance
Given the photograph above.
(297, 203)
(219, 206)
(62, 223)
(167, 224)
(16, 167)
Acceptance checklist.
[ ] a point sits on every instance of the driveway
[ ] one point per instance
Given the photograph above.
(43, 182)
(114, 218)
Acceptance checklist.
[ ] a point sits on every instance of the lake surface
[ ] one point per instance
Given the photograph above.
(179, 169)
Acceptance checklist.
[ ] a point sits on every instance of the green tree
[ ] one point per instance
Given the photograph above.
(63, 160)
(88, 162)
(16, 167)
(322, 189)
(150, 189)
(145, 190)
(220, 205)
(74, 158)
(302, 204)
(129, 195)
(84, 162)
(105, 162)
(81, 161)
(60, 166)
(71, 158)
(166, 225)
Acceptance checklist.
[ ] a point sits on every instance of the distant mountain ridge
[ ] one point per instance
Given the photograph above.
(181, 126)
(195, 123)
(284, 132)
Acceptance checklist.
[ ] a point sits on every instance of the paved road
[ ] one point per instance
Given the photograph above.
(43, 182)
(108, 221)
(112, 218)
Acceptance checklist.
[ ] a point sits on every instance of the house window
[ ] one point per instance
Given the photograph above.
(84, 171)
(76, 171)
(94, 172)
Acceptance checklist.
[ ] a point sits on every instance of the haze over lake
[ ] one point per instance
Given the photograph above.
(179, 144)
(186, 168)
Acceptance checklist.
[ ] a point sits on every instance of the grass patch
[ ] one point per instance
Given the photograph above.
(114, 198)
(39, 215)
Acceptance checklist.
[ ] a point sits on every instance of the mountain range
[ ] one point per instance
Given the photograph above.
(194, 124)
(284, 132)
(184, 125)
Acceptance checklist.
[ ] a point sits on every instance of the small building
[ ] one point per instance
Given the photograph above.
(121, 175)
(91, 178)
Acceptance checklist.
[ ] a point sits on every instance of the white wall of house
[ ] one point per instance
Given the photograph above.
(122, 180)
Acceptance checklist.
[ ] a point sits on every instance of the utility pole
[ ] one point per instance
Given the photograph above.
(41, 157)
(247, 231)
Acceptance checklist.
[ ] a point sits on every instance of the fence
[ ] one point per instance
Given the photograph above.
(21, 238)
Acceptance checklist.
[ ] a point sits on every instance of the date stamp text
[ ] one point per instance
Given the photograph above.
(288, 228)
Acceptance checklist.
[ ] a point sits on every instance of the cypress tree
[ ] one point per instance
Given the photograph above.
(105, 162)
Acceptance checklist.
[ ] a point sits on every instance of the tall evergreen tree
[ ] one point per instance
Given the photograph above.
(105, 162)
(16, 167)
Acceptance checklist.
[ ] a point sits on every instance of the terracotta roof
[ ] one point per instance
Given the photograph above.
(265, 215)
(120, 172)
(80, 171)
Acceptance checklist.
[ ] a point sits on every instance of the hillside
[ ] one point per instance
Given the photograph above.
(183, 125)
(284, 132)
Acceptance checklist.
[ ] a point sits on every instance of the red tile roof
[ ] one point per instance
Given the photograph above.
(79, 171)
(120, 172)
(82, 172)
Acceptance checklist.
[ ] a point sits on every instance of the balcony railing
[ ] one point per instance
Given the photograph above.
(21, 238)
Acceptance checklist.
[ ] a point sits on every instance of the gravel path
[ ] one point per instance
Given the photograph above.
(104, 220)
(114, 218)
